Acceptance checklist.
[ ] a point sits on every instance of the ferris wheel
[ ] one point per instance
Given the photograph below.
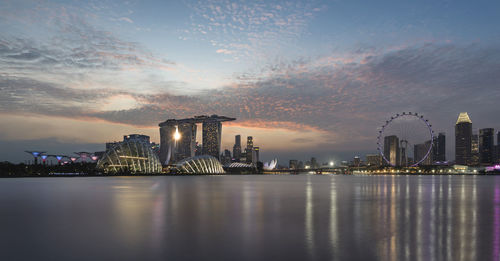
(406, 140)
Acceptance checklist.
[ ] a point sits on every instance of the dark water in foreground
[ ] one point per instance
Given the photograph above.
(292, 217)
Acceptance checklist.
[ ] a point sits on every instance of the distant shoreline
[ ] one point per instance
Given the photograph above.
(71, 175)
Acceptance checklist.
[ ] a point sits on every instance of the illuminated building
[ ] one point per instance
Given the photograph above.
(271, 165)
(240, 165)
(249, 149)
(374, 160)
(241, 168)
(237, 148)
(186, 144)
(174, 149)
(212, 131)
(486, 146)
(463, 139)
(204, 164)
(133, 156)
(391, 149)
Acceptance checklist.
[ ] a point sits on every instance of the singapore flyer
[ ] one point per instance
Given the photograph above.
(406, 140)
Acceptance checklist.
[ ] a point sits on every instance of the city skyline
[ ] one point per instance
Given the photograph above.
(179, 141)
(303, 78)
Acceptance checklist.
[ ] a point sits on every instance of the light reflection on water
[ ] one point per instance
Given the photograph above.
(294, 217)
(309, 219)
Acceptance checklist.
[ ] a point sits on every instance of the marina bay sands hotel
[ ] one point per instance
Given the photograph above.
(178, 137)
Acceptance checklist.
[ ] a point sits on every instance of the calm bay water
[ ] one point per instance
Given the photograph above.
(271, 217)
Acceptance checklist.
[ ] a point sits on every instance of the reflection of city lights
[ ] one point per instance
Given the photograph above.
(177, 135)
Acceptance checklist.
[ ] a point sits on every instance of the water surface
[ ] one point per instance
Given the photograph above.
(270, 217)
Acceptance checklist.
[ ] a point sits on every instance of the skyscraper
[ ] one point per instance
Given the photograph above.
(391, 149)
(463, 139)
(419, 152)
(226, 157)
(439, 148)
(178, 137)
(172, 150)
(187, 143)
(249, 149)
(255, 155)
(474, 149)
(497, 158)
(486, 146)
(167, 142)
(211, 138)
(237, 148)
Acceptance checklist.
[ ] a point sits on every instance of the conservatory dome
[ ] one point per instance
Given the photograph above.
(132, 156)
(203, 164)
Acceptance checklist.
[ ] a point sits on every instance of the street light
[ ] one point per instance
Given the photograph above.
(331, 163)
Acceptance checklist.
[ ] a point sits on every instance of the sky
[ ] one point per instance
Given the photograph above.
(304, 78)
